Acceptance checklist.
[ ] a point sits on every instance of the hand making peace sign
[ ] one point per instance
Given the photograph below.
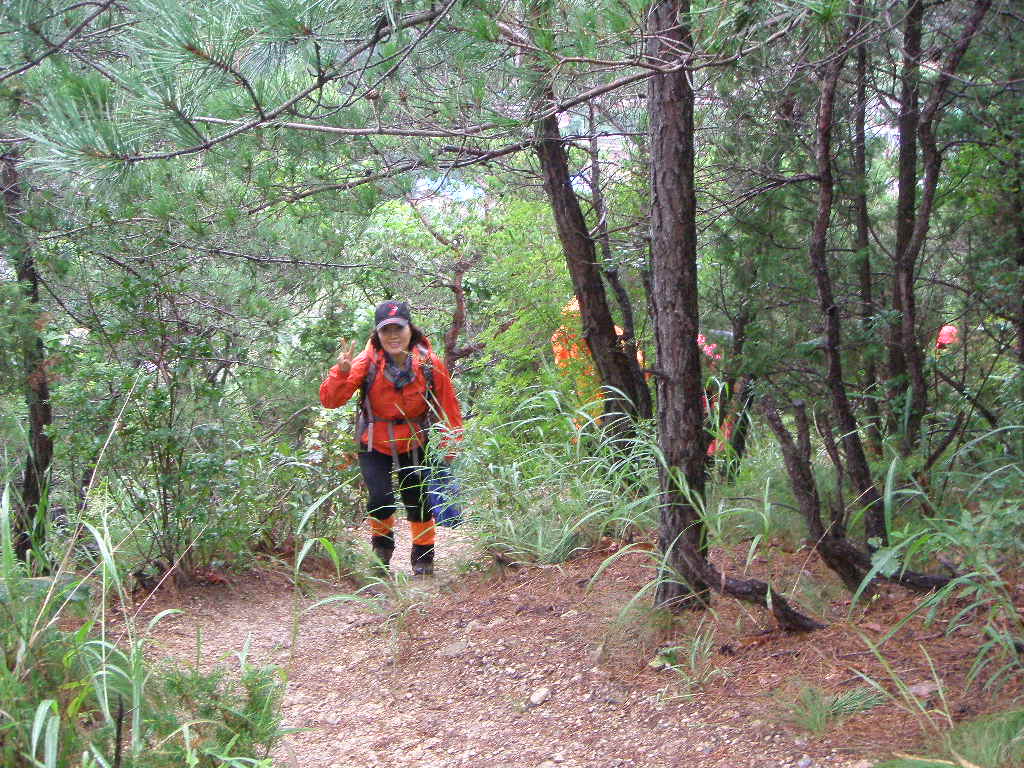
(345, 356)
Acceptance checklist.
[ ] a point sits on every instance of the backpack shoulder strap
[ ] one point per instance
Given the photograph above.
(364, 412)
(371, 375)
(433, 412)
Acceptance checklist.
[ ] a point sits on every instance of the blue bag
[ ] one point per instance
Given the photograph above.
(442, 496)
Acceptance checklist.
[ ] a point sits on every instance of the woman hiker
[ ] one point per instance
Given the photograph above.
(406, 388)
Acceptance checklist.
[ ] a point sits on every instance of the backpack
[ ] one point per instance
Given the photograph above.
(365, 418)
(442, 496)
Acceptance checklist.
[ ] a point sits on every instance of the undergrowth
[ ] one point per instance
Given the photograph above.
(816, 711)
(77, 696)
(548, 483)
(990, 741)
(690, 661)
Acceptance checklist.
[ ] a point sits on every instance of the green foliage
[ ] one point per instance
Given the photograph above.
(755, 506)
(985, 594)
(44, 681)
(210, 714)
(817, 711)
(15, 321)
(691, 661)
(212, 286)
(69, 694)
(981, 535)
(550, 482)
(989, 741)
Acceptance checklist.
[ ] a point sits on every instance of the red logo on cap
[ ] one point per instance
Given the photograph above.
(394, 310)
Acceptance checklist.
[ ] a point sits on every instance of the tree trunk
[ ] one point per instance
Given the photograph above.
(681, 435)
(1018, 310)
(607, 267)
(34, 363)
(741, 420)
(931, 161)
(905, 360)
(681, 432)
(850, 563)
(610, 271)
(452, 351)
(462, 264)
(617, 370)
(863, 249)
(856, 461)
(739, 391)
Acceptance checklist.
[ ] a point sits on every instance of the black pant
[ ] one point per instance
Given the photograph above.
(412, 484)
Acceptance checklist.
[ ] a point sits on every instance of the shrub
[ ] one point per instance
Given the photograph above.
(71, 697)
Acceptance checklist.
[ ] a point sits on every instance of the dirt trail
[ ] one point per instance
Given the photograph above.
(509, 669)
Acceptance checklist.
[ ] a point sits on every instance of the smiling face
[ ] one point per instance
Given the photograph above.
(395, 338)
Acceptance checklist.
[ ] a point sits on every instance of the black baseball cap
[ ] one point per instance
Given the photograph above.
(389, 312)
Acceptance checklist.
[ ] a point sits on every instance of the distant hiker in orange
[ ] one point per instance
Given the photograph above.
(405, 389)
(571, 353)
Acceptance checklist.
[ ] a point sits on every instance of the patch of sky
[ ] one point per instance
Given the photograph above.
(447, 186)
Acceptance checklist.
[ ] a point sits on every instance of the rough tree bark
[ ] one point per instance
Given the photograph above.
(617, 369)
(846, 559)
(830, 543)
(905, 361)
(931, 116)
(862, 225)
(34, 365)
(1018, 310)
(610, 271)
(919, 219)
(681, 433)
(1014, 171)
(856, 461)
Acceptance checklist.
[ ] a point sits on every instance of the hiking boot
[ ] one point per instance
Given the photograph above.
(422, 557)
(383, 548)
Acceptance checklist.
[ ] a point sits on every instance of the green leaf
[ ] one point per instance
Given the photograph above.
(886, 561)
(46, 710)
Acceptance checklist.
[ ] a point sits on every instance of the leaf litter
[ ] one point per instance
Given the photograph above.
(541, 667)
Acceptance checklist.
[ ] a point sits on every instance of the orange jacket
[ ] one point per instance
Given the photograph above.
(406, 406)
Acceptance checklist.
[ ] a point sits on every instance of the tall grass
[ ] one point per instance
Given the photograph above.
(990, 741)
(75, 695)
(974, 525)
(547, 483)
(816, 710)
(691, 661)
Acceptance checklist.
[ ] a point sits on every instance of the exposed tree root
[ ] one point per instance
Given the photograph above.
(851, 563)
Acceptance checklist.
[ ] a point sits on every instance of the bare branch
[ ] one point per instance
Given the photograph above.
(269, 259)
(377, 131)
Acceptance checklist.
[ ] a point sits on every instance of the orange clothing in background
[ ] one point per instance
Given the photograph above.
(569, 347)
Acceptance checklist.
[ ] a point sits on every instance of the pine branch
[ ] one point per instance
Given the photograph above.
(478, 157)
(411, 21)
(56, 47)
